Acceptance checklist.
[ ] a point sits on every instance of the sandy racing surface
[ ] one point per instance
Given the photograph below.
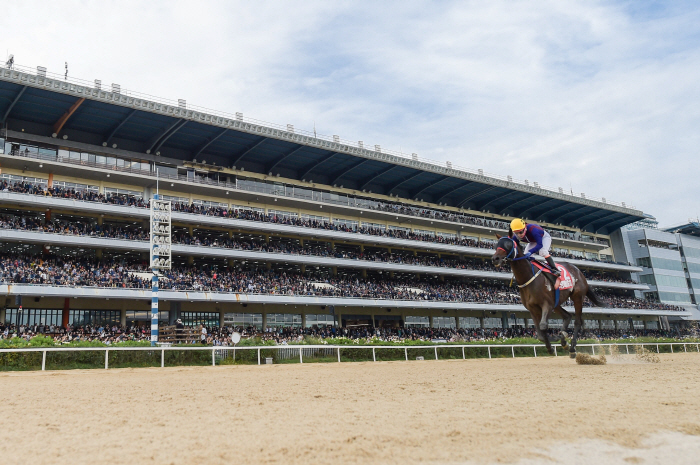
(526, 411)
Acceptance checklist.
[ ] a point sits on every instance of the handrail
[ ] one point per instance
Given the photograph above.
(338, 348)
(310, 134)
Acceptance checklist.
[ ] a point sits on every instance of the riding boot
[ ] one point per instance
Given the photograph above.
(555, 271)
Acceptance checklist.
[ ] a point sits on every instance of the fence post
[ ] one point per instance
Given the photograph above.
(436, 357)
(300, 359)
(555, 351)
(593, 349)
(374, 357)
(671, 344)
(106, 359)
(512, 350)
(627, 348)
(258, 355)
(489, 347)
(338, 354)
(213, 358)
(43, 361)
(657, 349)
(535, 349)
(463, 356)
(685, 347)
(405, 351)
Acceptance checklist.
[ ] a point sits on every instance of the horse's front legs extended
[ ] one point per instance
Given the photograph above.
(578, 324)
(542, 336)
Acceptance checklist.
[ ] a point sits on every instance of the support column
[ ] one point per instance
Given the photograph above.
(373, 322)
(335, 270)
(457, 325)
(264, 322)
(362, 248)
(47, 217)
(191, 230)
(391, 275)
(190, 260)
(3, 314)
(50, 183)
(431, 321)
(339, 317)
(645, 322)
(364, 273)
(122, 314)
(303, 269)
(65, 313)
(98, 254)
(303, 320)
(231, 262)
(600, 325)
(504, 320)
(481, 322)
(100, 220)
(301, 242)
(221, 318)
(268, 265)
(617, 326)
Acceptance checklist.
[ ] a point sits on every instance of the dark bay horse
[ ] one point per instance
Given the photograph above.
(537, 293)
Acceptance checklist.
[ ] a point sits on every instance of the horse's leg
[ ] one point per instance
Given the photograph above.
(566, 317)
(543, 328)
(578, 322)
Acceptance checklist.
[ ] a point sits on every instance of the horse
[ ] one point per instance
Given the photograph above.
(538, 296)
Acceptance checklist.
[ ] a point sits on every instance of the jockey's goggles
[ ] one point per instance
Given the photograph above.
(520, 231)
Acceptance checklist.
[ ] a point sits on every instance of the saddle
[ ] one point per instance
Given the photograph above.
(565, 279)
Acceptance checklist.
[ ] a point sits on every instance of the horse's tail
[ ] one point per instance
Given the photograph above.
(594, 298)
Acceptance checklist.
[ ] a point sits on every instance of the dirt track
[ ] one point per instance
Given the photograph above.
(384, 412)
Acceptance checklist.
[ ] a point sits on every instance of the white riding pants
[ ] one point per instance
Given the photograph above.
(546, 244)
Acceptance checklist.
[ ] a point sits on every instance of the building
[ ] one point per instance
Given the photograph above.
(272, 226)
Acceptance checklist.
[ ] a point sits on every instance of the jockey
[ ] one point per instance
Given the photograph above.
(537, 239)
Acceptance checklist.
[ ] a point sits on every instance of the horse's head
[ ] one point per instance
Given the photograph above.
(505, 250)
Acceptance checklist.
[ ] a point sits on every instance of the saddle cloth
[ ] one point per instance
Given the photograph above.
(566, 281)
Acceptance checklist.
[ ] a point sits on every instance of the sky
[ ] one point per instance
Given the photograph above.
(595, 97)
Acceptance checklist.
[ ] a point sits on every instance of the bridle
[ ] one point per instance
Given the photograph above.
(515, 258)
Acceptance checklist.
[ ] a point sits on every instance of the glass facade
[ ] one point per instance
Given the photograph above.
(320, 320)
(93, 317)
(200, 318)
(30, 316)
(243, 319)
(285, 320)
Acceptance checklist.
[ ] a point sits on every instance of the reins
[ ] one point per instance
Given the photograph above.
(516, 258)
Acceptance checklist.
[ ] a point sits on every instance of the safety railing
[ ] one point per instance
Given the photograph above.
(229, 355)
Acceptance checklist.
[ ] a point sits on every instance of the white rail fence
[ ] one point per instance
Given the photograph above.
(316, 351)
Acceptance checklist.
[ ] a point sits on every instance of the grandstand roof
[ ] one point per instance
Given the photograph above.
(692, 228)
(83, 112)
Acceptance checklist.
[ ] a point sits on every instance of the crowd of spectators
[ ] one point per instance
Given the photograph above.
(83, 228)
(81, 272)
(221, 336)
(250, 215)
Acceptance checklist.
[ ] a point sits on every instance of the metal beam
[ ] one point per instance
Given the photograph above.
(527, 210)
(347, 170)
(452, 191)
(154, 140)
(119, 126)
(169, 135)
(246, 151)
(381, 173)
(613, 214)
(428, 186)
(315, 165)
(524, 199)
(498, 197)
(284, 157)
(475, 195)
(404, 180)
(58, 125)
(209, 142)
(556, 220)
(13, 103)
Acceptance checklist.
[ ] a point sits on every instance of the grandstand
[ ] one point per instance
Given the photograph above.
(272, 226)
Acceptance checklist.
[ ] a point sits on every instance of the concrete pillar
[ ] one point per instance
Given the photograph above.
(335, 270)
(332, 245)
(147, 193)
(3, 314)
(268, 265)
(339, 318)
(646, 324)
(388, 249)
(221, 318)
(175, 312)
(362, 248)
(230, 234)
(481, 322)
(504, 320)
(391, 275)
(431, 321)
(303, 269)
(100, 220)
(231, 262)
(617, 326)
(267, 238)
(190, 260)
(364, 273)
(47, 217)
(50, 183)
(301, 242)
(373, 322)
(65, 314)
(191, 230)
(122, 313)
(457, 325)
(98, 254)
(303, 320)
(264, 321)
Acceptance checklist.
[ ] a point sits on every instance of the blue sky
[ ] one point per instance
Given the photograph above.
(597, 97)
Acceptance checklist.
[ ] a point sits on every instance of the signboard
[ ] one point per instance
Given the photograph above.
(161, 254)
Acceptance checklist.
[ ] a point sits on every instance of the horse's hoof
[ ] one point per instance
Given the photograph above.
(572, 354)
(551, 351)
(565, 346)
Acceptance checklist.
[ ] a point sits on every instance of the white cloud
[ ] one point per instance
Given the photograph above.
(599, 97)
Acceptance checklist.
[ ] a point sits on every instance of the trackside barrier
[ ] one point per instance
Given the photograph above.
(284, 352)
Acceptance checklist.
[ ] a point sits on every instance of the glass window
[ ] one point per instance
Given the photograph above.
(671, 281)
(443, 322)
(674, 297)
(243, 319)
(350, 224)
(667, 264)
(691, 252)
(282, 214)
(368, 225)
(286, 320)
(317, 218)
(424, 232)
(417, 321)
(468, 322)
(200, 318)
(320, 320)
(693, 267)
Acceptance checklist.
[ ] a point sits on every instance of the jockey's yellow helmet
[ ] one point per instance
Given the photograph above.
(517, 224)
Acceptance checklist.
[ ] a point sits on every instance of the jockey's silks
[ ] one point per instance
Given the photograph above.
(533, 234)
